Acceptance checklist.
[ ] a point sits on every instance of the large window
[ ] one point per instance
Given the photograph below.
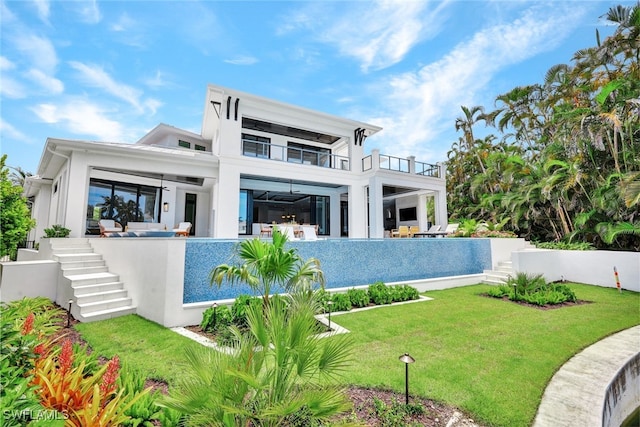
(307, 154)
(256, 146)
(120, 201)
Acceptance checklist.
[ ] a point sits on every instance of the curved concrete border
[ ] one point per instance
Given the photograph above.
(576, 394)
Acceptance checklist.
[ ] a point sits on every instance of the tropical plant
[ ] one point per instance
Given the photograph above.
(379, 293)
(266, 266)
(276, 370)
(15, 218)
(216, 317)
(564, 161)
(341, 302)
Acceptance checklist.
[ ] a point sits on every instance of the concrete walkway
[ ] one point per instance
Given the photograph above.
(575, 395)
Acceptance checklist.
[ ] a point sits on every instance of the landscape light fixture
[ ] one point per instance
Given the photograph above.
(406, 359)
(329, 303)
(69, 313)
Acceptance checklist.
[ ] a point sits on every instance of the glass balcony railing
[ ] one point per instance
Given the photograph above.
(265, 150)
(398, 164)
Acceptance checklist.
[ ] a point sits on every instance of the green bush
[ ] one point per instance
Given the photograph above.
(215, 318)
(379, 294)
(240, 307)
(57, 230)
(341, 302)
(533, 290)
(403, 293)
(358, 297)
(576, 246)
(322, 297)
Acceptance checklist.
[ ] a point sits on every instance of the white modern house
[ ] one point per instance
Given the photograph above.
(255, 161)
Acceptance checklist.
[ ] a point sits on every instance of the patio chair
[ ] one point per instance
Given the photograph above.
(183, 229)
(109, 226)
(413, 229)
(265, 230)
(402, 231)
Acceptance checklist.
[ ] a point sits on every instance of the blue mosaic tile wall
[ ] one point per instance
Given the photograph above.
(345, 262)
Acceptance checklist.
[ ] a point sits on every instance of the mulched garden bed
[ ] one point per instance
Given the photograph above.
(539, 307)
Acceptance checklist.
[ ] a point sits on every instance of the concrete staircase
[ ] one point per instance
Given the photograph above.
(500, 275)
(97, 294)
(504, 269)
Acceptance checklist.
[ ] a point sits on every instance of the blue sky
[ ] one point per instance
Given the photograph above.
(113, 70)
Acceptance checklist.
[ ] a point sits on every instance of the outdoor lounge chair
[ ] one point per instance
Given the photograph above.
(433, 231)
(413, 229)
(183, 229)
(309, 232)
(109, 226)
(402, 231)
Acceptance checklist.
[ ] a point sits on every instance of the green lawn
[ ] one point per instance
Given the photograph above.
(145, 346)
(489, 357)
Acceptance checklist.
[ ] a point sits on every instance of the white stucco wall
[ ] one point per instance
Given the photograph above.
(29, 279)
(592, 267)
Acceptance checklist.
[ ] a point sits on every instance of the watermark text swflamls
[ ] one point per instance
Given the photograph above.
(34, 414)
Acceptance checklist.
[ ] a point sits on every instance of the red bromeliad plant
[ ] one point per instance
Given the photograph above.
(85, 400)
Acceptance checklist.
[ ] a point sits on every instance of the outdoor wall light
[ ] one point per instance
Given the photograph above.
(165, 207)
(406, 359)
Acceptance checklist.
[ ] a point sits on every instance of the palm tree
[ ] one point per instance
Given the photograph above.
(18, 176)
(278, 373)
(266, 266)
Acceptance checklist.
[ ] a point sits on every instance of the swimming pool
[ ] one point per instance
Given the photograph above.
(345, 262)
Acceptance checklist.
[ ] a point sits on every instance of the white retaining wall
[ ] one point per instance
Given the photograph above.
(591, 267)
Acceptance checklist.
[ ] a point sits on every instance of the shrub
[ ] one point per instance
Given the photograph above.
(322, 297)
(341, 302)
(358, 297)
(241, 306)
(576, 246)
(57, 230)
(533, 290)
(403, 293)
(214, 318)
(379, 293)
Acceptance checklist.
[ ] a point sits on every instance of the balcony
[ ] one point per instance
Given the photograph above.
(382, 161)
(265, 150)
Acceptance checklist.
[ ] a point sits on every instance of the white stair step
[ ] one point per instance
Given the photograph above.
(92, 279)
(73, 250)
(77, 257)
(493, 282)
(506, 269)
(80, 291)
(87, 298)
(75, 271)
(106, 314)
(77, 264)
(104, 305)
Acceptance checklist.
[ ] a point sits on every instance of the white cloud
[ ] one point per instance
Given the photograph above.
(157, 81)
(6, 64)
(95, 76)
(39, 50)
(421, 106)
(242, 60)
(50, 83)
(88, 11)
(43, 9)
(11, 88)
(377, 34)
(124, 23)
(9, 131)
(81, 118)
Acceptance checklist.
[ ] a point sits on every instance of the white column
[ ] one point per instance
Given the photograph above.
(376, 213)
(77, 192)
(441, 208)
(357, 211)
(227, 200)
